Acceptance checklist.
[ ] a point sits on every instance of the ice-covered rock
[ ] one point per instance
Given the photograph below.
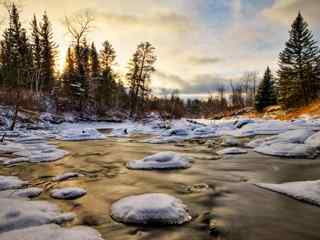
(294, 150)
(204, 130)
(10, 147)
(314, 140)
(68, 193)
(66, 176)
(153, 208)
(21, 193)
(176, 132)
(230, 141)
(162, 160)
(53, 232)
(232, 150)
(308, 191)
(20, 213)
(11, 182)
(81, 134)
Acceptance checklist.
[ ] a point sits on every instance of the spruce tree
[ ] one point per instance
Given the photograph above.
(266, 95)
(106, 84)
(299, 62)
(48, 54)
(36, 53)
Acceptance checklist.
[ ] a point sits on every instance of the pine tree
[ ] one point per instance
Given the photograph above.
(107, 83)
(266, 93)
(36, 53)
(141, 67)
(299, 61)
(48, 54)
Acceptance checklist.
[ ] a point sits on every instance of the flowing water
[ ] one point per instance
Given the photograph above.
(220, 193)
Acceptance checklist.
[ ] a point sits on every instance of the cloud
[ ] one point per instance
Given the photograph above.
(204, 60)
(198, 84)
(166, 21)
(286, 10)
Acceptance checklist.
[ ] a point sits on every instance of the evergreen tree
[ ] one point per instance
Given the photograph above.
(94, 62)
(141, 67)
(266, 93)
(299, 63)
(36, 53)
(107, 83)
(48, 54)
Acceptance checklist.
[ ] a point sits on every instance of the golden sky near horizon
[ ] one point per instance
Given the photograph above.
(198, 42)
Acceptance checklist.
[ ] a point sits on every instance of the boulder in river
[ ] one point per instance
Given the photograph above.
(152, 208)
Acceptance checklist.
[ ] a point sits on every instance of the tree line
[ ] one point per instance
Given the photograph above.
(88, 84)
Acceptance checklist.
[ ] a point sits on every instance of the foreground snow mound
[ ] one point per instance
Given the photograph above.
(66, 176)
(154, 208)
(287, 150)
(52, 232)
(162, 160)
(308, 191)
(81, 134)
(68, 193)
(21, 193)
(11, 183)
(314, 140)
(19, 213)
(232, 150)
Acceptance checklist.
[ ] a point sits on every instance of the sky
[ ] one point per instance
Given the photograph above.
(198, 42)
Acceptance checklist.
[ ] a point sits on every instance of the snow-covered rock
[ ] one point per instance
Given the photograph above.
(204, 130)
(66, 176)
(176, 132)
(308, 191)
(154, 208)
(242, 122)
(314, 140)
(230, 141)
(53, 232)
(11, 182)
(10, 147)
(294, 150)
(20, 213)
(162, 160)
(68, 193)
(21, 193)
(81, 134)
(232, 150)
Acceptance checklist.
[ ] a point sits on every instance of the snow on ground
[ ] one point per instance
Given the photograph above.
(314, 140)
(232, 150)
(21, 213)
(30, 152)
(307, 191)
(52, 232)
(81, 134)
(153, 208)
(21, 193)
(68, 193)
(66, 176)
(11, 182)
(162, 160)
(293, 150)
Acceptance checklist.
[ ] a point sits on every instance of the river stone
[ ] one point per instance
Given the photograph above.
(68, 193)
(11, 182)
(152, 208)
(162, 160)
(232, 150)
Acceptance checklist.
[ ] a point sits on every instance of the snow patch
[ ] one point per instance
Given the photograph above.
(232, 150)
(308, 191)
(21, 193)
(11, 183)
(81, 134)
(162, 160)
(154, 208)
(68, 193)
